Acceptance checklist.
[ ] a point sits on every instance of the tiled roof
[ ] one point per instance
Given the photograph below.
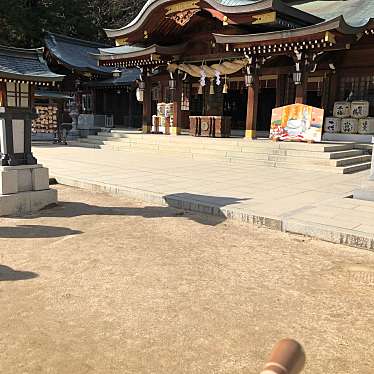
(355, 12)
(75, 53)
(25, 64)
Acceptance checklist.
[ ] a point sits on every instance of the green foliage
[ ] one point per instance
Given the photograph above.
(22, 22)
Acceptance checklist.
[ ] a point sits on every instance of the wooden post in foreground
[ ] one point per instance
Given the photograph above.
(287, 357)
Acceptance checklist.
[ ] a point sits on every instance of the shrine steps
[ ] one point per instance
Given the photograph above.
(330, 157)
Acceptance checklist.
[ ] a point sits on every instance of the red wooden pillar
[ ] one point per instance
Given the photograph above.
(147, 106)
(252, 105)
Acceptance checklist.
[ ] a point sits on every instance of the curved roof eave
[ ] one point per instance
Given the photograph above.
(337, 23)
(112, 54)
(251, 6)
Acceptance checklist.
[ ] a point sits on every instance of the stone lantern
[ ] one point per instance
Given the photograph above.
(24, 184)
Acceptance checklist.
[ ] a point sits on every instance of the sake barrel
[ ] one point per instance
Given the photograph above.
(333, 125)
(161, 109)
(366, 126)
(342, 109)
(349, 126)
(169, 110)
(359, 109)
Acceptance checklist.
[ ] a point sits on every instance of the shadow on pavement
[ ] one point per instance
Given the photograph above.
(36, 231)
(178, 204)
(8, 274)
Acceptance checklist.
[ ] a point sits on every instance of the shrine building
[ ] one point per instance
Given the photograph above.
(230, 62)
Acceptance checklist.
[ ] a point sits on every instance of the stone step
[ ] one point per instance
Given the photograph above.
(249, 159)
(234, 152)
(356, 168)
(351, 160)
(308, 150)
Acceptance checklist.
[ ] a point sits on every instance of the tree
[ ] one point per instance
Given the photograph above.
(23, 21)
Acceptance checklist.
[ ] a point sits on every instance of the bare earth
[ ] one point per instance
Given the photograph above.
(102, 284)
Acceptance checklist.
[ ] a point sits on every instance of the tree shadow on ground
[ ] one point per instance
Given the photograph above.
(36, 231)
(8, 274)
(208, 206)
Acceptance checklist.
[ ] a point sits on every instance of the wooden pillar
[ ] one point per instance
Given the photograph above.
(301, 90)
(147, 106)
(177, 103)
(130, 105)
(252, 106)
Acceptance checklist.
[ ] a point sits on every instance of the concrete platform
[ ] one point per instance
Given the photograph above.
(26, 202)
(312, 203)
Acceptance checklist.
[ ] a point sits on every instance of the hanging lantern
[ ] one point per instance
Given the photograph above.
(249, 79)
(225, 86)
(225, 21)
(297, 77)
(200, 92)
(172, 84)
(211, 90)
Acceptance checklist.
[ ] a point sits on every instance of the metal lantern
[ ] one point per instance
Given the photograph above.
(116, 73)
(172, 84)
(297, 77)
(249, 79)
(200, 92)
(142, 85)
(211, 90)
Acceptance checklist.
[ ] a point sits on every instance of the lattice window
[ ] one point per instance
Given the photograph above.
(87, 103)
(18, 95)
(357, 88)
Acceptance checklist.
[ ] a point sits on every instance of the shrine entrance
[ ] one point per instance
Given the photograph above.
(266, 102)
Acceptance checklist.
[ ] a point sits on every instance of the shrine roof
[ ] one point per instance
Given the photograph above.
(337, 24)
(25, 64)
(222, 6)
(130, 52)
(76, 54)
(355, 12)
(127, 77)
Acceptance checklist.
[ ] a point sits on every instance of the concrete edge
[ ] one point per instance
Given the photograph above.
(332, 234)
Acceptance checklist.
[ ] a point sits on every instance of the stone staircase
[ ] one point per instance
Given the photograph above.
(341, 158)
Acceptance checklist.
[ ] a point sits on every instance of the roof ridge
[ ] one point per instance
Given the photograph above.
(77, 40)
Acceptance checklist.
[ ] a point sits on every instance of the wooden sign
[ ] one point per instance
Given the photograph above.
(121, 41)
(297, 122)
(264, 18)
(183, 6)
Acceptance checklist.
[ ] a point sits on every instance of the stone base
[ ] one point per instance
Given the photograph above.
(23, 178)
(366, 192)
(26, 202)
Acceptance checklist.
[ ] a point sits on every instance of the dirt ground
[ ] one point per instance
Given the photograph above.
(102, 284)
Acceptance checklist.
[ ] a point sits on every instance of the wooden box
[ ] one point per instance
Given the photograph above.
(210, 126)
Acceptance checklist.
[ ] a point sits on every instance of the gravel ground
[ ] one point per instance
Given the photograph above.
(101, 284)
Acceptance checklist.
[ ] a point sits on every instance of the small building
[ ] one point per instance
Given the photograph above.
(102, 95)
(231, 62)
(22, 72)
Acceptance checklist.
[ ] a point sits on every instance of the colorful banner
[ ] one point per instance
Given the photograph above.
(297, 122)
